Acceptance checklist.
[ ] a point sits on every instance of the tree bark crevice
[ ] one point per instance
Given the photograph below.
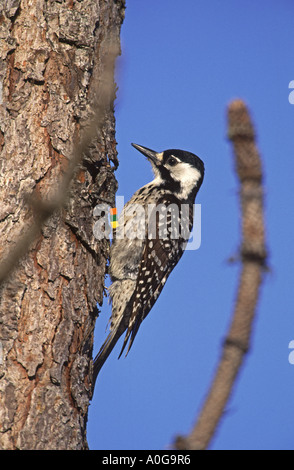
(56, 76)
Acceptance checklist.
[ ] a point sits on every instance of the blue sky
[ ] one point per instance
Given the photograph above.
(181, 64)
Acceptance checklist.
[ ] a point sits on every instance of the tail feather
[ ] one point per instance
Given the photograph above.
(130, 335)
(104, 352)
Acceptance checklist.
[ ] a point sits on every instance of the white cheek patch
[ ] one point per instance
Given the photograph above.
(188, 176)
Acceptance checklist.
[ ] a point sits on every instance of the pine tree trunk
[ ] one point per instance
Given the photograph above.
(53, 55)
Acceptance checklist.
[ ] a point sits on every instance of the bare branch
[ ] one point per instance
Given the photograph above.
(253, 255)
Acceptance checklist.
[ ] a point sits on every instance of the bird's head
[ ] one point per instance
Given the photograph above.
(179, 170)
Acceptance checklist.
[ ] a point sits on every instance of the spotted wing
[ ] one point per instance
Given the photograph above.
(165, 244)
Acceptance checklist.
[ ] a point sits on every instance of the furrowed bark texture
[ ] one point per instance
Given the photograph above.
(53, 56)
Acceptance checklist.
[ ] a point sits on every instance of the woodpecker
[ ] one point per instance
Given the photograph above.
(151, 236)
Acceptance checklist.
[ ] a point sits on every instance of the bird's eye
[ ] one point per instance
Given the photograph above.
(172, 161)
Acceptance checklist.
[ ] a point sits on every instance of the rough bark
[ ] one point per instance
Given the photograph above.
(53, 56)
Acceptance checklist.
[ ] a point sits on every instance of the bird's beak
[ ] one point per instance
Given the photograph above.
(153, 156)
